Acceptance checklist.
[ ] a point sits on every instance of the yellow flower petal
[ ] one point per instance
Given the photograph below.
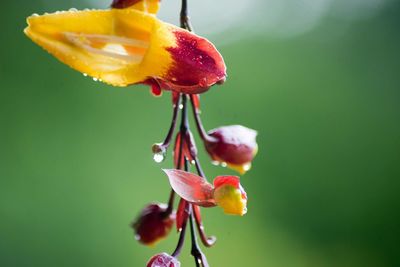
(241, 169)
(150, 6)
(118, 46)
(126, 46)
(231, 200)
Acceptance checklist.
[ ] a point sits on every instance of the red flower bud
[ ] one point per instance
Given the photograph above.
(163, 260)
(153, 224)
(234, 145)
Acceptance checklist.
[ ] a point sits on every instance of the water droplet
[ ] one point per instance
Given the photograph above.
(95, 79)
(73, 9)
(247, 167)
(158, 157)
(137, 237)
(193, 161)
(35, 15)
(199, 261)
(84, 74)
(244, 210)
(223, 164)
(180, 106)
(215, 163)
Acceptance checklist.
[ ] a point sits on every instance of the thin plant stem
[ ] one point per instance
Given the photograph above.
(168, 138)
(181, 241)
(200, 128)
(184, 16)
(195, 247)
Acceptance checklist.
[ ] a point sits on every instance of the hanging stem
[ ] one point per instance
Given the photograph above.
(162, 147)
(170, 203)
(207, 241)
(200, 128)
(198, 168)
(183, 133)
(195, 247)
(184, 18)
(167, 140)
(181, 241)
(183, 129)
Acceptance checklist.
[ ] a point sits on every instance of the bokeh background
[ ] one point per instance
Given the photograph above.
(319, 80)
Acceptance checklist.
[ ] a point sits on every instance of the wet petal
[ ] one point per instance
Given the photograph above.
(110, 45)
(197, 64)
(191, 187)
(126, 46)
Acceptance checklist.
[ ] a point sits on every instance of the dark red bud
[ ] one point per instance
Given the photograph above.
(163, 260)
(153, 224)
(235, 144)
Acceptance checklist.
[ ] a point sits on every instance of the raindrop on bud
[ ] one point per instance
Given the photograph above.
(247, 167)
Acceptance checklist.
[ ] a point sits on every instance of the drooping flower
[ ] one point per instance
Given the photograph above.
(122, 47)
(153, 224)
(163, 260)
(234, 145)
(226, 192)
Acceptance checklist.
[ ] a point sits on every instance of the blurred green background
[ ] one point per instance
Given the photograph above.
(76, 165)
